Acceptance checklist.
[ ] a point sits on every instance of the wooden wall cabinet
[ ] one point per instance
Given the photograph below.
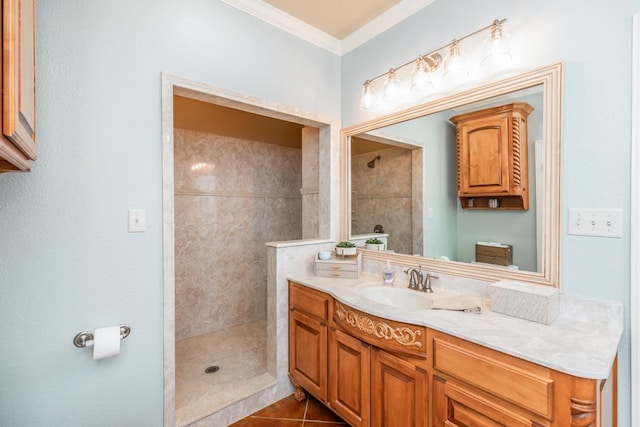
(492, 154)
(18, 139)
(385, 373)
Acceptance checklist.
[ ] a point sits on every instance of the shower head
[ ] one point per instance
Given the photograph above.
(372, 163)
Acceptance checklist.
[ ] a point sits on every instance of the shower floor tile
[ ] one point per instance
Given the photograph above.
(240, 353)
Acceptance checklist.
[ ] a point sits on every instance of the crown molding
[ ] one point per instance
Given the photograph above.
(276, 17)
(288, 23)
(382, 23)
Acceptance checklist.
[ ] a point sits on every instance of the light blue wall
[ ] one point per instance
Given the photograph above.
(67, 262)
(594, 40)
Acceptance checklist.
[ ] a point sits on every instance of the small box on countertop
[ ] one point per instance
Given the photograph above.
(494, 253)
(527, 301)
(348, 266)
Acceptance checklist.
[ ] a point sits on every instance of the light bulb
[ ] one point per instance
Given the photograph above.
(421, 78)
(366, 97)
(391, 87)
(496, 47)
(455, 67)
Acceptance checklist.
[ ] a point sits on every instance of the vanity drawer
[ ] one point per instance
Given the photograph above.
(525, 384)
(309, 301)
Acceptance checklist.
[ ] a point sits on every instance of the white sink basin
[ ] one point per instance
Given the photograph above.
(398, 297)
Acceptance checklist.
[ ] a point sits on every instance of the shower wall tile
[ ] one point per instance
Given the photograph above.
(215, 164)
(310, 182)
(394, 213)
(384, 196)
(231, 198)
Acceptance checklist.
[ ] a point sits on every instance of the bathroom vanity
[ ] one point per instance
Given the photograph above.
(381, 365)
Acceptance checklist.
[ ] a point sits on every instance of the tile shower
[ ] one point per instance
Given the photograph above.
(382, 194)
(231, 196)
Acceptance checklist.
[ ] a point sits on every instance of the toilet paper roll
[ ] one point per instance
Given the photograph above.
(106, 342)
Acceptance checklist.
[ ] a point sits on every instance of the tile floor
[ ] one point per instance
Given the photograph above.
(290, 413)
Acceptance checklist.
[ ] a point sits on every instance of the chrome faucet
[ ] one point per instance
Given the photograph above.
(419, 280)
(426, 285)
(415, 279)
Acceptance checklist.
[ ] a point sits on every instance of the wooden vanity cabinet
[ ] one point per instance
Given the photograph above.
(376, 372)
(399, 391)
(492, 154)
(476, 386)
(308, 334)
(18, 107)
(350, 378)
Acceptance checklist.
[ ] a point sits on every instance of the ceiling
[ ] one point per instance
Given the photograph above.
(338, 18)
(338, 26)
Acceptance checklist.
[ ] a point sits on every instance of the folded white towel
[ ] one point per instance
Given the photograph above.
(468, 303)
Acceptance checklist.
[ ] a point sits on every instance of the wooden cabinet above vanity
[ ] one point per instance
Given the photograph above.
(18, 139)
(492, 157)
(377, 371)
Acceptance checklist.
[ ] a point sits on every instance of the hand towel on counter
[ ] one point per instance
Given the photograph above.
(468, 303)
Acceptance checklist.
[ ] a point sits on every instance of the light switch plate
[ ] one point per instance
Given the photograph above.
(595, 222)
(137, 220)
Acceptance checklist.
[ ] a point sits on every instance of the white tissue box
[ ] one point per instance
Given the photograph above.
(530, 302)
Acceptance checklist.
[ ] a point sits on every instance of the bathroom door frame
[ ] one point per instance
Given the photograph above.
(635, 224)
(329, 191)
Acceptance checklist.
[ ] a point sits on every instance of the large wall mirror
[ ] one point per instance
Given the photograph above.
(400, 174)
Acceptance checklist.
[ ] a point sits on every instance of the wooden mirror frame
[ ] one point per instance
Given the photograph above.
(551, 79)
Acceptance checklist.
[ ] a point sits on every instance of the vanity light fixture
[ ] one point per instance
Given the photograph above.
(392, 87)
(421, 81)
(455, 68)
(496, 47)
(497, 54)
(366, 99)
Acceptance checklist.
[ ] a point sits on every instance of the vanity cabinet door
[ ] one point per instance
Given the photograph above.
(399, 392)
(349, 380)
(308, 353)
(484, 155)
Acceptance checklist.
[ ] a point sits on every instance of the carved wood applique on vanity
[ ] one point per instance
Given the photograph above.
(381, 332)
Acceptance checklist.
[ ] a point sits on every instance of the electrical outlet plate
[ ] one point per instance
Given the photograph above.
(595, 222)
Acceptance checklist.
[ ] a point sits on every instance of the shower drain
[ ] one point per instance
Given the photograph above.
(212, 369)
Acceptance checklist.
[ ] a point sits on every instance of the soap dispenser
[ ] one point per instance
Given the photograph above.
(388, 275)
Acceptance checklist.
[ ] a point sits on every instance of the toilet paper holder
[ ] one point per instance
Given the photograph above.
(85, 338)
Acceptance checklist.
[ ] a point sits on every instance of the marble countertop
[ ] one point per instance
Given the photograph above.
(583, 341)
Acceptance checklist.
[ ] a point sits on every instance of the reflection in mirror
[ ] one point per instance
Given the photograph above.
(383, 194)
(401, 173)
(386, 191)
